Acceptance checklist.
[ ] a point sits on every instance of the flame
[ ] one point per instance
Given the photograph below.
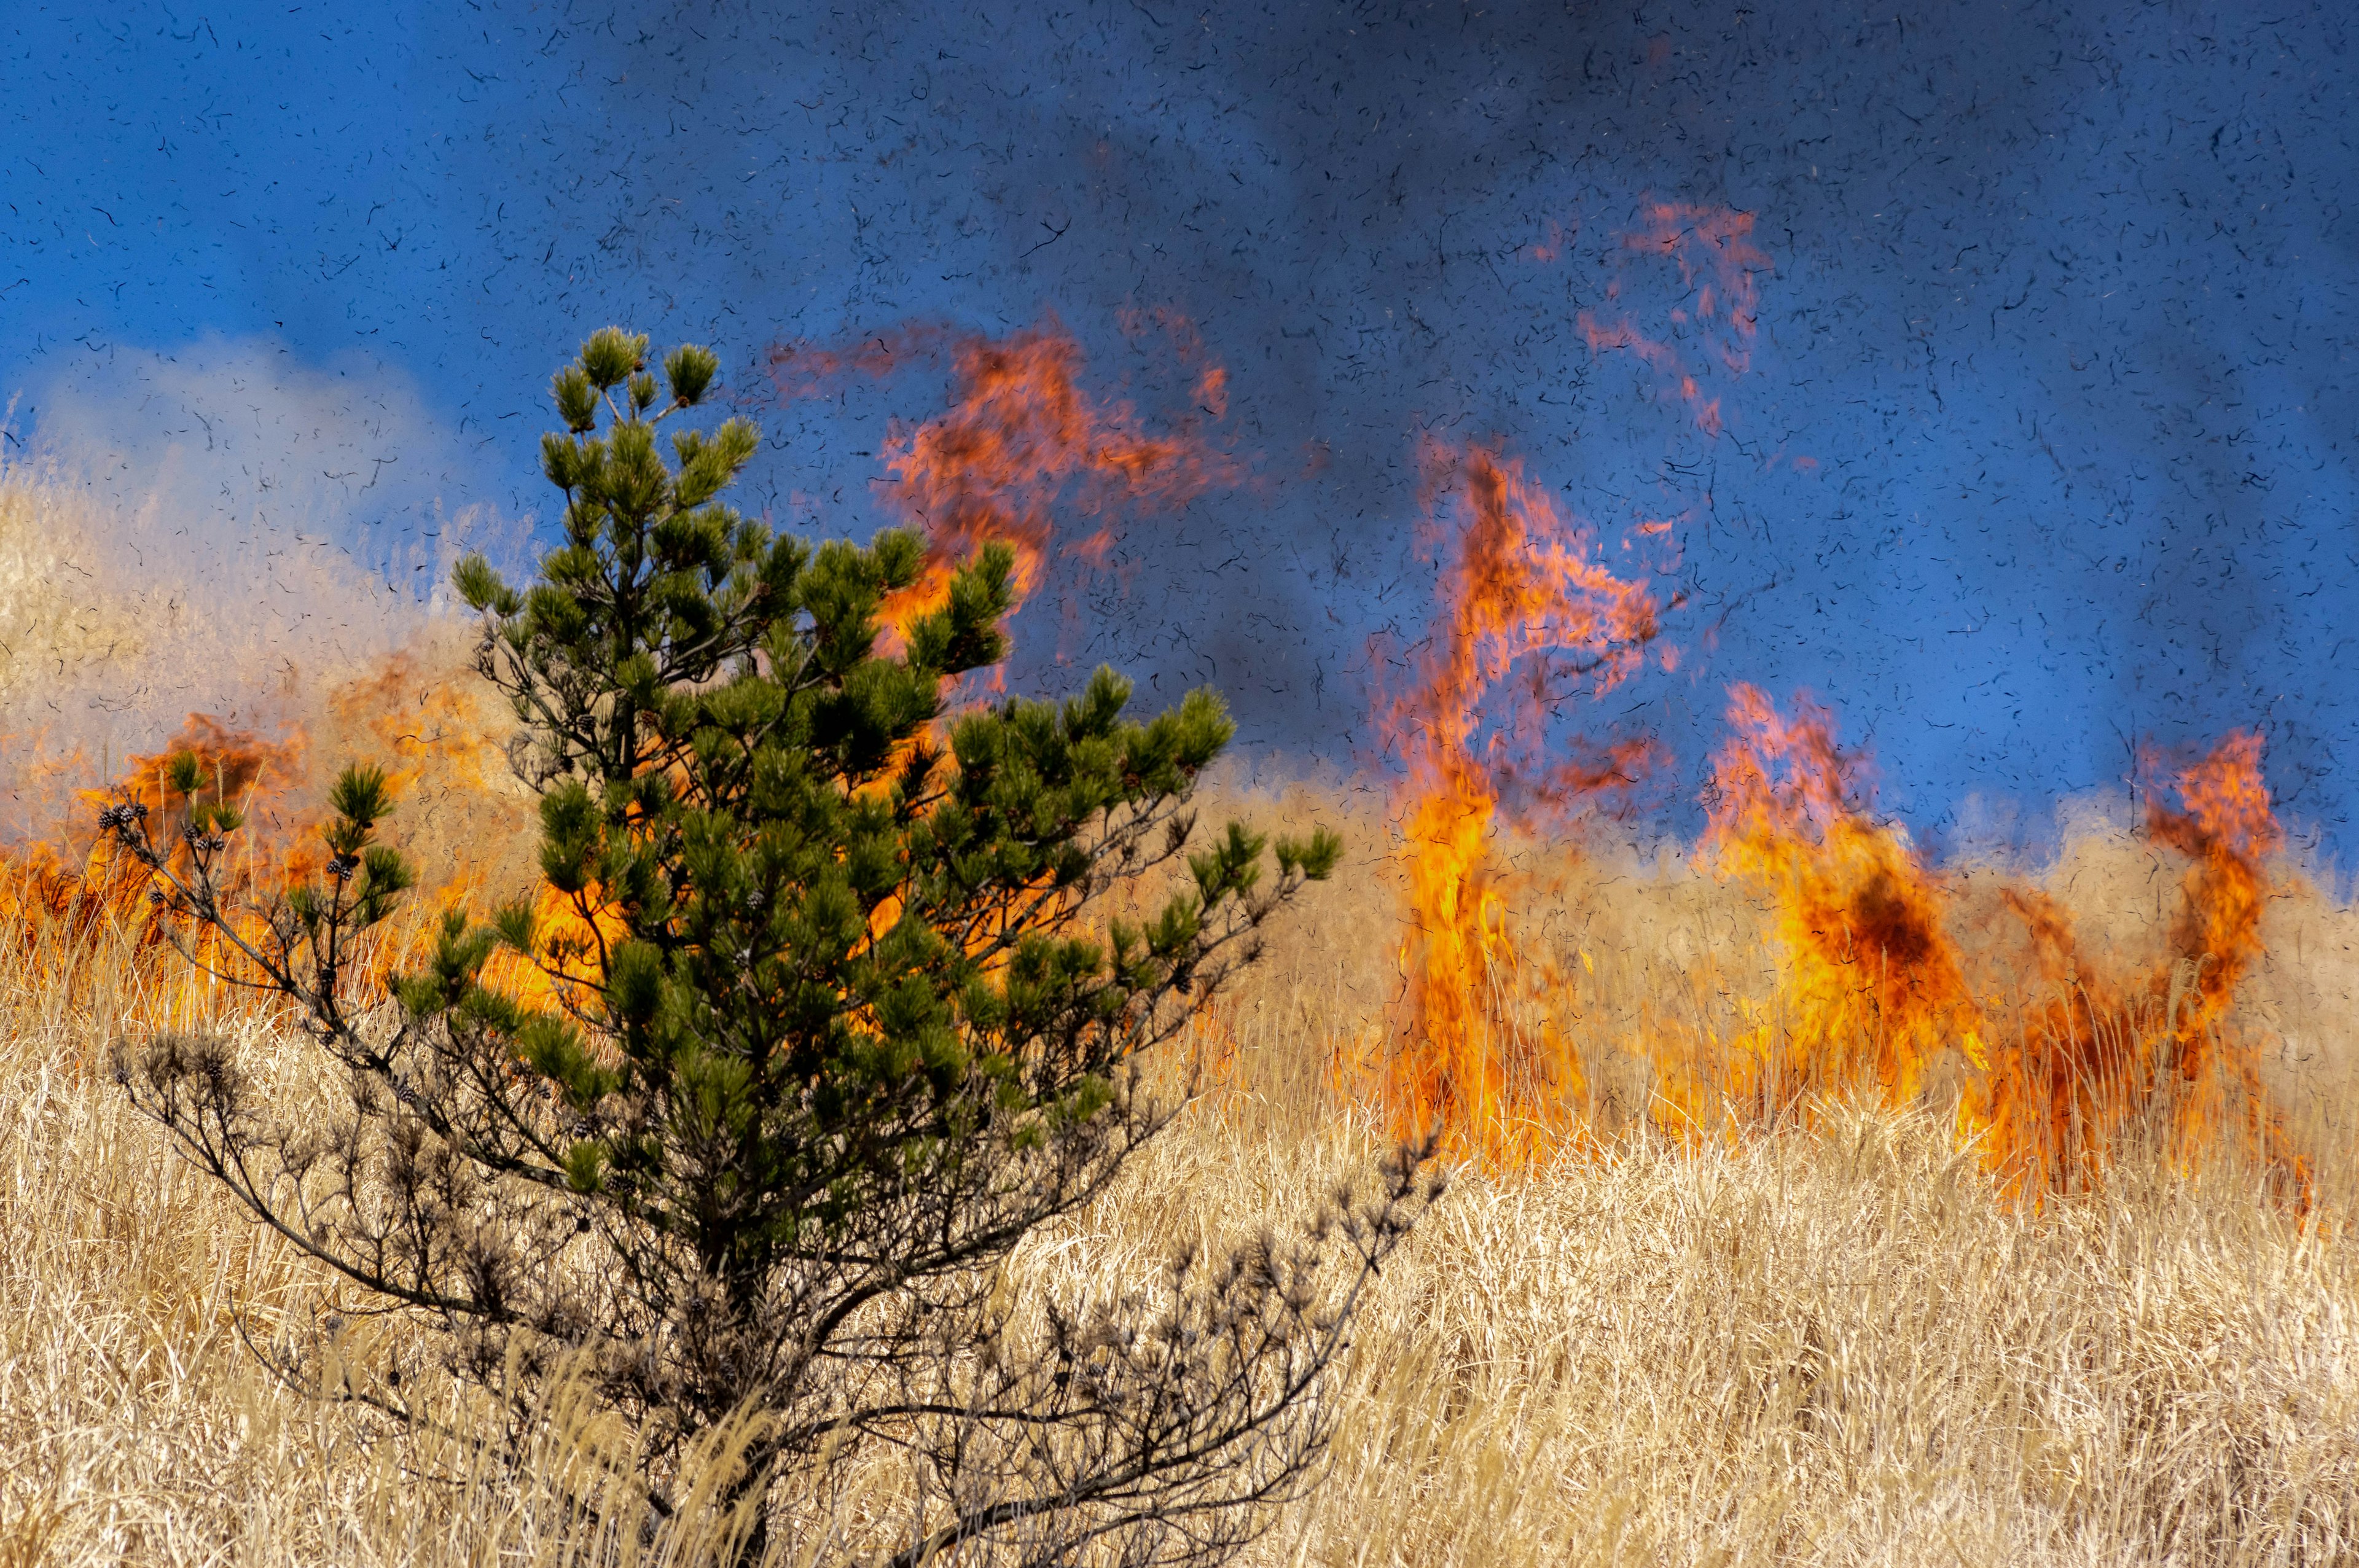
(1020, 438)
(2105, 1057)
(67, 890)
(1872, 993)
(572, 932)
(1872, 987)
(60, 905)
(1720, 268)
(1523, 589)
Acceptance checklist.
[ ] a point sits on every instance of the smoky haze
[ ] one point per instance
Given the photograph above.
(2040, 443)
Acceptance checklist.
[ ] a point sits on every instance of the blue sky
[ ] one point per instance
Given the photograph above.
(2059, 299)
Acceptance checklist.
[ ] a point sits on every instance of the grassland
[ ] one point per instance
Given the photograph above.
(1833, 1344)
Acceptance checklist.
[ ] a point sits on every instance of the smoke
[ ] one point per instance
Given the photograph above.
(2039, 442)
(219, 531)
(239, 450)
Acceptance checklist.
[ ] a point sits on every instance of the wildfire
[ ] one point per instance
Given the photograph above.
(2106, 1058)
(1873, 992)
(1523, 589)
(1872, 995)
(56, 902)
(1719, 268)
(1020, 438)
(404, 713)
(1021, 441)
(1871, 987)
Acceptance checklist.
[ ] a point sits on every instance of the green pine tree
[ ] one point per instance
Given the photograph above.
(841, 1014)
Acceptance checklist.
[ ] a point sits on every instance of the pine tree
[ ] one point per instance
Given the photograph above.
(835, 1006)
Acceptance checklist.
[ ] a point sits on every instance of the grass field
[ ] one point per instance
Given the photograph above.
(1832, 1344)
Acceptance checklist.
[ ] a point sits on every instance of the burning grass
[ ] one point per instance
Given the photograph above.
(1837, 1341)
(1830, 1336)
(1869, 991)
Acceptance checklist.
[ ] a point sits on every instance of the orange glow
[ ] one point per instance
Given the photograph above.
(1720, 268)
(60, 904)
(2108, 1057)
(430, 737)
(1872, 993)
(1020, 439)
(1523, 588)
(1871, 988)
(572, 935)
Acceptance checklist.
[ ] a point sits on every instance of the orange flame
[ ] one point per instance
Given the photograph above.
(1720, 268)
(2108, 1058)
(55, 901)
(58, 901)
(1523, 589)
(1872, 985)
(1021, 437)
(59, 904)
(1872, 992)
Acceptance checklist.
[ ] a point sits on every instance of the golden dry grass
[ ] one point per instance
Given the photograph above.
(1830, 1346)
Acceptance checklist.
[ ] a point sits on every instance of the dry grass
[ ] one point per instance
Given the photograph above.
(1832, 1346)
